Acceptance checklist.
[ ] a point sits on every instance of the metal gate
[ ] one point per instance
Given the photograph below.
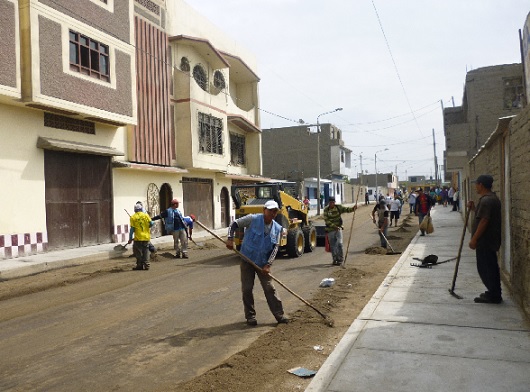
(198, 199)
(78, 199)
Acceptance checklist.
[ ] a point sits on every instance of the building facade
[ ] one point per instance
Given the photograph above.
(290, 153)
(105, 103)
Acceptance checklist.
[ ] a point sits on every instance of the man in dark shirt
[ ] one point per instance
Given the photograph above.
(486, 239)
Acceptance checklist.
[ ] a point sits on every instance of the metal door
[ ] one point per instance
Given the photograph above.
(198, 199)
(78, 199)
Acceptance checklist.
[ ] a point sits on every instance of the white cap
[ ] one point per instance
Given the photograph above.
(271, 205)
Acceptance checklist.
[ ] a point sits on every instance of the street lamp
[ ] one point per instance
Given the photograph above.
(376, 187)
(318, 156)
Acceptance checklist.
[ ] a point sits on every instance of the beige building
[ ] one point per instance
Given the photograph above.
(104, 103)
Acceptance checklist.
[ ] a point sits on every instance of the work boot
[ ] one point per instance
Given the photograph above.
(283, 320)
(184, 255)
(252, 322)
(177, 255)
(138, 268)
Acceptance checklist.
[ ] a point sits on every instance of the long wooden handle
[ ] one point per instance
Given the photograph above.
(246, 259)
(351, 228)
(460, 251)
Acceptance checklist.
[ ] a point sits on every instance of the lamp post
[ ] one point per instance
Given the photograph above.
(318, 156)
(376, 187)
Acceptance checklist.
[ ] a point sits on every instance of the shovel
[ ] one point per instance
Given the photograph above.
(199, 244)
(393, 252)
(120, 248)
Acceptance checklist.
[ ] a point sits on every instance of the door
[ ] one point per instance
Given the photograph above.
(78, 199)
(198, 199)
(225, 207)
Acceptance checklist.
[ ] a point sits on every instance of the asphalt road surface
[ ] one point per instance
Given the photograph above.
(136, 329)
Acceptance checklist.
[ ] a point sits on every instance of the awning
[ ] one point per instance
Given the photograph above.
(247, 177)
(76, 147)
(147, 167)
(242, 123)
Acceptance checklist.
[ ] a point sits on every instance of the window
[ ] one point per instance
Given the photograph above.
(185, 64)
(89, 57)
(237, 149)
(199, 74)
(513, 93)
(219, 80)
(210, 134)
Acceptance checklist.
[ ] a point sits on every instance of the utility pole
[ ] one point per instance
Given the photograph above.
(435, 158)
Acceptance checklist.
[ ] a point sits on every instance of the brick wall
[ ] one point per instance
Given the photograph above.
(490, 160)
(520, 206)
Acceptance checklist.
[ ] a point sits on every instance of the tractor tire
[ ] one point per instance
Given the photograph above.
(310, 238)
(295, 243)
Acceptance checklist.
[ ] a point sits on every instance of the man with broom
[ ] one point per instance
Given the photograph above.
(260, 244)
(333, 219)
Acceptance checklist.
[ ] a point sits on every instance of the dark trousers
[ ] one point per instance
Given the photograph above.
(488, 270)
(141, 252)
(248, 274)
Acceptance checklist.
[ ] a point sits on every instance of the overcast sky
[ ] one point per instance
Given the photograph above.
(387, 63)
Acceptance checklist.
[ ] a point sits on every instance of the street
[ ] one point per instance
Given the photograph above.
(139, 330)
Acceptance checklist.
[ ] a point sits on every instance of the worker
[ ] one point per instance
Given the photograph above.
(141, 234)
(333, 219)
(260, 245)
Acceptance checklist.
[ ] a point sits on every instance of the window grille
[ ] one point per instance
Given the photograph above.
(68, 124)
(199, 74)
(210, 134)
(237, 149)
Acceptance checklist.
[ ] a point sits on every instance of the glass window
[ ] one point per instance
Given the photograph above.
(89, 57)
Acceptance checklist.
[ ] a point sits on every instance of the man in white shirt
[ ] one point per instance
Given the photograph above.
(395, 207)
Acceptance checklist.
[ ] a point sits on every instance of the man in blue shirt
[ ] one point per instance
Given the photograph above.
(175, 225)
(260, 244)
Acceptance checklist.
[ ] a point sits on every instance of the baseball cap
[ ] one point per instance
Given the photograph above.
(138, 207)
(485, 179)
(331, 198)
(271, 205)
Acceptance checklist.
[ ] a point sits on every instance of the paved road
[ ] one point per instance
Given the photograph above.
(171, 323)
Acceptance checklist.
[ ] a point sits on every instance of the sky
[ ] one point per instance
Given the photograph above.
(390, 65)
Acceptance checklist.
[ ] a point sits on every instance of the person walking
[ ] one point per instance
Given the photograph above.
(333, 220)
(176, 226)
(382, 221)
(486, 239)
(456, 200)
(260, 244)
(412, 202)
(422, 207)
(140, 233)
(395, 207)
(450, 195)
(366, 198)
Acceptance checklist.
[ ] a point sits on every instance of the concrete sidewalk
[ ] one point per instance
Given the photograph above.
(414, 336)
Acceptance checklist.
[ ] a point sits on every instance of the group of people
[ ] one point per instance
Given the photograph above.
(263, 235)
(175, 223)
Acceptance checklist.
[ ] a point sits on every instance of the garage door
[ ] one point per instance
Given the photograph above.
(78, 199)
